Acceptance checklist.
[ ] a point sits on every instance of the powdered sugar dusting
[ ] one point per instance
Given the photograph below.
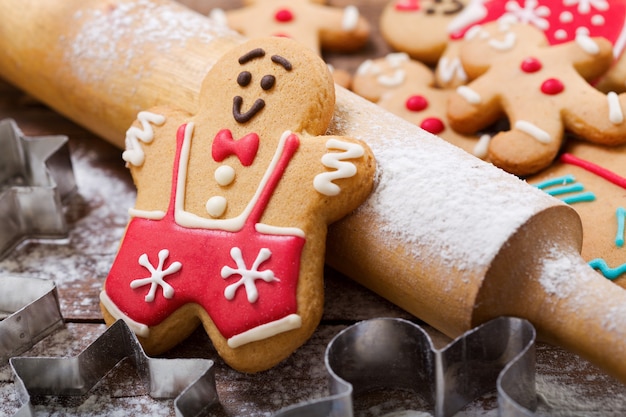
(111, 38)
(442, 202)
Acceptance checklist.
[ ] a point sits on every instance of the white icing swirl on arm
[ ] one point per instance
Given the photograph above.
(134, 154)
(587, 44)
(471, 96)
(323, 182)
(616, 115)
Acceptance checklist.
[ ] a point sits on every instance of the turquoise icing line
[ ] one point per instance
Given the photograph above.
(620, 213)
(566, 179)
(610, 273)
(565, 185)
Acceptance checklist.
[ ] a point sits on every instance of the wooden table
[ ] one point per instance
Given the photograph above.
(97, 215)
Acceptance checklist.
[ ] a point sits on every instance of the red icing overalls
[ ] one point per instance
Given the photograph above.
(243, 279)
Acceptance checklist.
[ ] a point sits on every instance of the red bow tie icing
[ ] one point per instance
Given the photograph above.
(245, 148)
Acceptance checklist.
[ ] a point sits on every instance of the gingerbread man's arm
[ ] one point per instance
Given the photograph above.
(591, 57)
(341, 29)
(475, 106)
(149, 154)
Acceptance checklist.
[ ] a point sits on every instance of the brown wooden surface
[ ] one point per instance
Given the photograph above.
(567, 385)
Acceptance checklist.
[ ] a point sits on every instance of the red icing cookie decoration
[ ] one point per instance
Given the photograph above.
(433, 125)
(531, 65)
(245, 148)
(552, 86)
(560, 20)
(407, 5)
(416, 103)
(284, 16)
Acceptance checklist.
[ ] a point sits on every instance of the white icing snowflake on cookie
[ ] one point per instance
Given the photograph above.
(157, 275)
(248, 276)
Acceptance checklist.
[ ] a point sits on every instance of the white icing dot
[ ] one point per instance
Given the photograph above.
(566, 17)
(560, 34)
(597, 20)
(224, 175)
(350, 19)
(216, 206)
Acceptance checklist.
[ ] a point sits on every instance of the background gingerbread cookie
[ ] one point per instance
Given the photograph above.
(406, 87)
(233, 202)
(592, 178)
(542, 89)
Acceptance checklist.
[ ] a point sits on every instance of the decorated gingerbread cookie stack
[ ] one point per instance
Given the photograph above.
(232, 207)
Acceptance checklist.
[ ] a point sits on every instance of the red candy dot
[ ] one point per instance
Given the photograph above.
(283, 15)
(433, 125)
(552, 86)
(416, 103)
(531, 65)
(407, 5)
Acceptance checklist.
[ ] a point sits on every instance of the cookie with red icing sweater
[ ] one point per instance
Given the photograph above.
(542, 89)
(560, 20)
(406, 87)
(592, 179)
(233, 203)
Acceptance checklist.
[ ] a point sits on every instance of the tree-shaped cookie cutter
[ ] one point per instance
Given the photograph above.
(35, 177)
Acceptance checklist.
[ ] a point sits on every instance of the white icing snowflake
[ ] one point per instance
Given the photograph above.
(157, 275)
(248, 276)
(585, 6)
(532, 13)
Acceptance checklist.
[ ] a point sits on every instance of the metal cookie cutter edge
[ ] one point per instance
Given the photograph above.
(191, 381)
(36, 175)
(33, 305)
(396, 353)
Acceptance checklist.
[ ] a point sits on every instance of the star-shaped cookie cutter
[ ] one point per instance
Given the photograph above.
(29, 309)
(35, 177)
(396, 353)
(191, 381)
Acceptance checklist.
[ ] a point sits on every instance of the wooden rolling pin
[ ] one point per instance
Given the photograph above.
(444, 235)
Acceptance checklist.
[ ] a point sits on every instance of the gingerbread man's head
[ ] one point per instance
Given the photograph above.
(261, 89)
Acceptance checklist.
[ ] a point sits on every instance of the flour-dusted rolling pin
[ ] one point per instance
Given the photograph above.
(444, 235)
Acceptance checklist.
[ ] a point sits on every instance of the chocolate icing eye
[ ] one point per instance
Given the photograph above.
(244, 77)
(267, 82)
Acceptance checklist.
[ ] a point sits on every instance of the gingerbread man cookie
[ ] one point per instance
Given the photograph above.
(592, 178)
(406, 88)
(232, 208)
(541, 89)
(310, 22)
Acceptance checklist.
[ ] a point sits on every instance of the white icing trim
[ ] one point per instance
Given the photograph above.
(482, 147)
(448, 68)
(350, 19)
(396, 59)
(469, 95)
(146, 214)
(392, 80)
(323, 182)
(265, 331)
(267, 229)
(190, 220)
(616, 115)
(138, 328)
(473, 12)
(368, 67)
(534, 131)
(134, 153)
(587, 44)
(505, 44)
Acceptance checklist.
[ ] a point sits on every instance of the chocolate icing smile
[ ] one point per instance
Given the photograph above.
(244, 117)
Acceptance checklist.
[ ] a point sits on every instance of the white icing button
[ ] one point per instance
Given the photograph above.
(216, 206)
(224, 175)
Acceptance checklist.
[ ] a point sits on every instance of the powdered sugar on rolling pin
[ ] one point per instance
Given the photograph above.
(442, 202)
(113, 37)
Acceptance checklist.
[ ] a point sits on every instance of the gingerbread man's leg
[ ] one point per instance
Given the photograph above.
(531, 144)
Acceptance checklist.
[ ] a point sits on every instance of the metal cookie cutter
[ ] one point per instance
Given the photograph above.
(395, 353)
(191, 380)
(29, 309)
(35, 177)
